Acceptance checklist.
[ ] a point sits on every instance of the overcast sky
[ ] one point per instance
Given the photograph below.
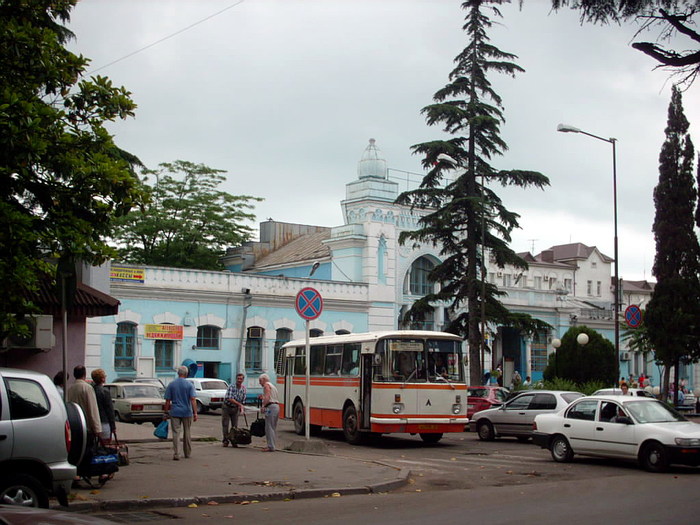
(284, 95)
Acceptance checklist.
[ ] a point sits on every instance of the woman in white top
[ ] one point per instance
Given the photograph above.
(271, 409)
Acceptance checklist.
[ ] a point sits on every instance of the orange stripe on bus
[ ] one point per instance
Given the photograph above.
(418, 386)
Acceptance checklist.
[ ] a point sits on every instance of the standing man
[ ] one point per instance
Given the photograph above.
(81, 393)
(233, 406)
(181, 407)
(271, 408)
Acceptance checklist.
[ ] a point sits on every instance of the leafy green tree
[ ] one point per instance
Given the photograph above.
(187, 222)
(63, 179)
(673, 314)
(464, 214)
(592, 362)
(669, 16)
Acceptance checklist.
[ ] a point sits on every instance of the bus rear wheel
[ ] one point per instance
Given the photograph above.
(351, 426)
(431, 438)
(298, 416)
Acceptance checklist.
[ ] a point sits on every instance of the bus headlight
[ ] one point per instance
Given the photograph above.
(397, 408)
(456, 409)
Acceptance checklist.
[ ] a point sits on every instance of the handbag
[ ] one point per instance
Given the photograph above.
(122, 451)
(161, 430)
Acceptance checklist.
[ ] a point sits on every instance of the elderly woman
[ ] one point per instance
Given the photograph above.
(104, 405)
(271, 409)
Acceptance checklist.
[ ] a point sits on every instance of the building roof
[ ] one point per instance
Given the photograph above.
(572, 251)
(309, 247)
(88, 302)
(643, 286)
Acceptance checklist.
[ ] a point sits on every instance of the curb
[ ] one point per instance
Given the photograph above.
(121, 505)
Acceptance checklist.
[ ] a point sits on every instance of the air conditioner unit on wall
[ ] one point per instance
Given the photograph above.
(625, 356)
(40, 334)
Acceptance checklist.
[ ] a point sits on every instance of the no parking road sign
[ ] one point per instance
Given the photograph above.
(309, 303)
(633, 316)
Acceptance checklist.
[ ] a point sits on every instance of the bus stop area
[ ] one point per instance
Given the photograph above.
(216, 474)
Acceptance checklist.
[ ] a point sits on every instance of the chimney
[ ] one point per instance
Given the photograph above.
(547, 256)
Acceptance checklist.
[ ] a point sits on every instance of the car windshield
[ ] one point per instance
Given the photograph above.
(653, 412)
(478, 392)
(141, 391)
(214, 385)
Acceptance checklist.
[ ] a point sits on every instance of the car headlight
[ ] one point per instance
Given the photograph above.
(688, 442)
(397, 408)
(456, 409)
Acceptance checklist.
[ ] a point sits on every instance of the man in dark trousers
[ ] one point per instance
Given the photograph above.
(233, 406)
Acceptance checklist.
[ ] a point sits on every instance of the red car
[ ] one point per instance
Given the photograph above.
(483, 397)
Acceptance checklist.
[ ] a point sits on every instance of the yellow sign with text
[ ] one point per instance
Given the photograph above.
(127, 275)
(164, 331)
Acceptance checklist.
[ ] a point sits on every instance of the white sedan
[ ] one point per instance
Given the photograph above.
(625, 427)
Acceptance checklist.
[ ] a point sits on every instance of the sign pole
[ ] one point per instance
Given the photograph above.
(307, 403)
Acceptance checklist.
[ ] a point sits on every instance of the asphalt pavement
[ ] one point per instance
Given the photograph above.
(217, 474)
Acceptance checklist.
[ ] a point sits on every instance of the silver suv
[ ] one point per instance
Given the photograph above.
(41, 440)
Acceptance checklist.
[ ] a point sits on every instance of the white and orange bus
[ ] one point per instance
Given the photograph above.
(403, 381)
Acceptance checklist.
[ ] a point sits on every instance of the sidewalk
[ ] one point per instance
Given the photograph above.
(227, 475)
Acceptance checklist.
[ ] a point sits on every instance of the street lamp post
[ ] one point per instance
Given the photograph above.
(564, 128)
(556, 343)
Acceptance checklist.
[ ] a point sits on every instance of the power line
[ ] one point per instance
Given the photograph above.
(166, 37)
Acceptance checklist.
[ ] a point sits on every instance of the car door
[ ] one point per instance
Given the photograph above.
(513, 418)
(579, 425)
(614, 438)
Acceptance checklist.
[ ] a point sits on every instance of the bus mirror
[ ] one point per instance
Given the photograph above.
(377, 359)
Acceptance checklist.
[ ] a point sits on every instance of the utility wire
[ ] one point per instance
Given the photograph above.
(166, 37)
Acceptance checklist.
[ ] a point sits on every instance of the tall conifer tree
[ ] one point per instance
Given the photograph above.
(463, 214)
(673, 314)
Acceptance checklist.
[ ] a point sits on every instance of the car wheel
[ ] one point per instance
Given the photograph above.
(200, 408)
(298, 416)
(351, 426)
(561, 450)
(653, 457)
(485, 431)
(23, 490)
(431, 438)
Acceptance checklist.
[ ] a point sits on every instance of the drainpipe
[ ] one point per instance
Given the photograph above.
(247, 301)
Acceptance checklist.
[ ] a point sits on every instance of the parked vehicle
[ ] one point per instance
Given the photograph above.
(209, 392)
(149, 380)
(626, 427)
(41, 440)
(136, 402)
(639, 392)
(515, 417)
(483, 397)
(18, 515)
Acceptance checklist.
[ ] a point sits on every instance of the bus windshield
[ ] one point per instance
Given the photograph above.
(419, 360)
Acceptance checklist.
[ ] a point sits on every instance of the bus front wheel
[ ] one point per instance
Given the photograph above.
(351, 426)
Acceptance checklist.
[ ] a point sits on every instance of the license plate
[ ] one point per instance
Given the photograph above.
(154, 407)
(427, 427)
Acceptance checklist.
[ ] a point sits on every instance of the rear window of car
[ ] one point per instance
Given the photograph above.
(585, 410)
(214, 385)
(137, 390)
(478, 392)
(543, 402)
(27, 399)
(569, 397)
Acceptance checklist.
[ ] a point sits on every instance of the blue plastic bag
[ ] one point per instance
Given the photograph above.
(161, 430)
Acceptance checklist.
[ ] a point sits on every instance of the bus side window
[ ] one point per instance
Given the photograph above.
(351, 360)
(300, 363)
(318, 353)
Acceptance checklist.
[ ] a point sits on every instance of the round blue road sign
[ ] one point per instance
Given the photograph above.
(633, 316)
(309, 303)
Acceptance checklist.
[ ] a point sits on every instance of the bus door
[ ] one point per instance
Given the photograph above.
(366, 389)
(288, 381)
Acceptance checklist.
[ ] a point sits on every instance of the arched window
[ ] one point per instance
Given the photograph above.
(282, 335)
(253, 348)
(208, 337)
(419, 284)
(125, 346)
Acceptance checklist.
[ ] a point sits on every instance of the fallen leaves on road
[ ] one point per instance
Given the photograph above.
(192, 506)
(212, 503)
